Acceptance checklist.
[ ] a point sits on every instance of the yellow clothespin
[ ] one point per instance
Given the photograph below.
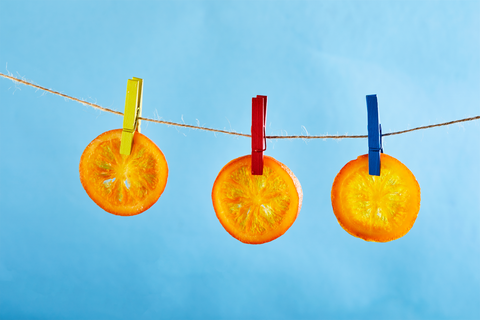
(133, 110)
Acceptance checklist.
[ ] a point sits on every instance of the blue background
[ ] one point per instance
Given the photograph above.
(62, 257)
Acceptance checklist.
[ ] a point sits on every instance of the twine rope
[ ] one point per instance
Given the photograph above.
(96, 106)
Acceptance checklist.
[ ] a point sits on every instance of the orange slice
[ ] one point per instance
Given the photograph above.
(256, 208)
(376, 208)
(120, 184)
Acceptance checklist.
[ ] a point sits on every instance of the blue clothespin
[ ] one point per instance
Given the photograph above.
(374, 136)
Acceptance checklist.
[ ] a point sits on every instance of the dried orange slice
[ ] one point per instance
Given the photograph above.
(256, 208)
(120, 184)
(376, 208)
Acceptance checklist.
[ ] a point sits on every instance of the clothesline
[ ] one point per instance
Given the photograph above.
(230, 132)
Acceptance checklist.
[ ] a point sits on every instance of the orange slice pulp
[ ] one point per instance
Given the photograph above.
(120, 184)
(256, 208)
(376, 208)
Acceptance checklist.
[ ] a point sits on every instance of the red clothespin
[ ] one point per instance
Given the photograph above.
(259, 140)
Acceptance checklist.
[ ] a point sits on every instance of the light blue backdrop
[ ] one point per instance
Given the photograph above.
(62, 257)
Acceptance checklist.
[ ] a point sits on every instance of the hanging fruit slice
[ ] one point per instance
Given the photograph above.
(256, 208)
(376, 208)
(120, 184)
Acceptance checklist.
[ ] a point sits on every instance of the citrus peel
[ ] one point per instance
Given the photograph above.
(123, 184)
(376, 208)
(256, 208)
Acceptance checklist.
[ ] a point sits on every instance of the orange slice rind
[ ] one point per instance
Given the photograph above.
(256, 208)
(376, 208)
(123, 184)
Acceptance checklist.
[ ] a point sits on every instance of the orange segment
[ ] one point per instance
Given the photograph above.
(252, 208)
(120, 184)
(376, 208)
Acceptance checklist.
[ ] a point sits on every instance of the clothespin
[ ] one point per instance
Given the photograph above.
(374, 136)
(259, 140)
(133, 110)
